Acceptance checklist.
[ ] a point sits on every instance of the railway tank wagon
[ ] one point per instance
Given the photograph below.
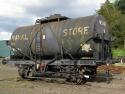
(58, 46)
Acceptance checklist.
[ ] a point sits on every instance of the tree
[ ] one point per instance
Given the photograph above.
(116, 22)
(121, 5)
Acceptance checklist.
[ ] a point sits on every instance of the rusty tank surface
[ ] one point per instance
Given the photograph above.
(49, 36)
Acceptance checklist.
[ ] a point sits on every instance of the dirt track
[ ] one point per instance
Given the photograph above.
(11, 84)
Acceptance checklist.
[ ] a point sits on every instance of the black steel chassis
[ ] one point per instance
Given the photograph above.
(60, 62)
(77, 69)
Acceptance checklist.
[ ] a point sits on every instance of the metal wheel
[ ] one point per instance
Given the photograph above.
(25, 72)
(30, 73)
(68, 79)
(22, 73)
(91, 71)
(79, 80)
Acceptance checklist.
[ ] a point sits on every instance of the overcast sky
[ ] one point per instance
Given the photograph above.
(14, 13)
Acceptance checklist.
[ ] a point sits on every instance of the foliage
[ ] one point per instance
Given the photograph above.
(120, 5)
(116, 20)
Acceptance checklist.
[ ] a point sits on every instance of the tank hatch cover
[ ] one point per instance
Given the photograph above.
(51, 18)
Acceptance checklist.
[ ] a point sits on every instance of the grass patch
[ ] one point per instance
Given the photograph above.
(118, 52)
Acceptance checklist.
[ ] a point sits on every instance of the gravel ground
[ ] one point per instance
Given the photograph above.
(11, 84)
